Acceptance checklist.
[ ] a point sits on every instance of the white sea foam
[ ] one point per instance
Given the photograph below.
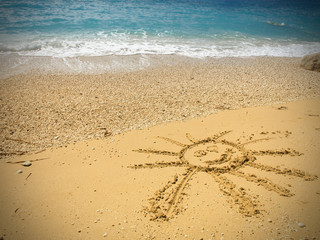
(83, 54)
(122, 43)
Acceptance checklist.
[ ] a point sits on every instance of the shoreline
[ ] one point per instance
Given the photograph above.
(14, 64)
(44, 110)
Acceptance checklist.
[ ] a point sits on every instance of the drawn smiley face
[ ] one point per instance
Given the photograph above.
(213, 154)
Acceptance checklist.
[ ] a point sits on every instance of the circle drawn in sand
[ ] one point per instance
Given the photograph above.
(208, 154)
(215, 156)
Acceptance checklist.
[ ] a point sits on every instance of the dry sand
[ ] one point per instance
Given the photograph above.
(251, 173)
(142, 185)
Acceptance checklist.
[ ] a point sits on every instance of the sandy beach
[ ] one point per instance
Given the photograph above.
(206, 149)
(43, 110)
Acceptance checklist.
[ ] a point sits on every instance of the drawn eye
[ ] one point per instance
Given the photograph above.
(201, 153)
(212, 148)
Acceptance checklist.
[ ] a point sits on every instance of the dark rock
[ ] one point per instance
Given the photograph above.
(311, 62)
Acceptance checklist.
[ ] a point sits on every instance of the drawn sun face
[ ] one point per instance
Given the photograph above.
(212, 154)
(215, 156)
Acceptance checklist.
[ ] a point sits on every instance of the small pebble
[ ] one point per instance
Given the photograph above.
(27, 164)
(19, 171)
(269, 220)
(105, 234)
(301, 225)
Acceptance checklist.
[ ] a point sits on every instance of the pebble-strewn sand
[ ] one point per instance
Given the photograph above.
(38, 110)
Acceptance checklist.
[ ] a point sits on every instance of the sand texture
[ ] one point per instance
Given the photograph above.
(211, 149)
(39, 111)
(251, 173)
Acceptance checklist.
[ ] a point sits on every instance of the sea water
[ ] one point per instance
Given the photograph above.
(65, 34)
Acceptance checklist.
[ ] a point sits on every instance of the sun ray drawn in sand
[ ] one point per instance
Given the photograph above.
(215, 156)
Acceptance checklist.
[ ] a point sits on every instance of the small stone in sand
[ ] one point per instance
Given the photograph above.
(269, 220)
(301, 225)
(19, 171)
(105, 234)
(27, 164)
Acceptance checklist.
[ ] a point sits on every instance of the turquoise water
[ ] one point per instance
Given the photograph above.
(186, 27)
(192, 28)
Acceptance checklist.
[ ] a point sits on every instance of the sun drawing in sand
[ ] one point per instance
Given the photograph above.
(215, 156)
